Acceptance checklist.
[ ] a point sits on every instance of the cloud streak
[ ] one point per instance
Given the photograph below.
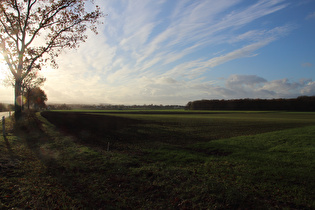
(142, 45)
(187, 28)
(164, 52)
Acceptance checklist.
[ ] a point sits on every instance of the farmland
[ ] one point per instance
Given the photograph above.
(160, 160)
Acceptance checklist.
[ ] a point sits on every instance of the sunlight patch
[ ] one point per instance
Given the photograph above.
(21, 100)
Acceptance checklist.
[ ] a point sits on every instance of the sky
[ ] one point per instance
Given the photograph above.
(171, 52)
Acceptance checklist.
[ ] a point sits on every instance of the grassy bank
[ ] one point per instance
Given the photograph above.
(159, 161)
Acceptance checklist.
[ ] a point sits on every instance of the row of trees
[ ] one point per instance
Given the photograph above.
(5, 107)
(35, 98)
(302, 103)
(59, 107)
(113, 107)
(35, 32)
(32, 96)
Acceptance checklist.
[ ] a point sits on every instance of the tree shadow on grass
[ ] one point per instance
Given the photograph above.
(9, 148)
(75, 123)
(38, 141)
(97, 131)
(123, 134)
(9, 161)
(8, 158)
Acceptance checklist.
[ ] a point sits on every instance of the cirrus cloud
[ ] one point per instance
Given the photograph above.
(163, 52)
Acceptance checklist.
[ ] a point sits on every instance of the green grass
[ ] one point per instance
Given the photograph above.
(184, 160)
(276, 166)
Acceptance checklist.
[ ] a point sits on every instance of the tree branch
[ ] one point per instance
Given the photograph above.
(23, 30)
(9, 62)
(6, 30)
(19, 14)
(49, 46)
(45, 22)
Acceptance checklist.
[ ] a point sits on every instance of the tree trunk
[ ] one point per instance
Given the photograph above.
(18, 102)
(28, 97)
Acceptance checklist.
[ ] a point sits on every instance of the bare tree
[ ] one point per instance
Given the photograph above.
(34, 32)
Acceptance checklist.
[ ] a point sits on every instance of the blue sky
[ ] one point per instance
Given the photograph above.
(175, 51)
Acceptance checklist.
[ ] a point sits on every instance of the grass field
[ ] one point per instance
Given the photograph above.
(159, 160)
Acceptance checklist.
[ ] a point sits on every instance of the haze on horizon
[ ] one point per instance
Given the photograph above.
(172, 52)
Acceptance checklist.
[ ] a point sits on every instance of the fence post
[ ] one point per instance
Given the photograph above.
(3, 126)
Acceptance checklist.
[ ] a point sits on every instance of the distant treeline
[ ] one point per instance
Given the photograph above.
(6, 107)
(59, 107)
(302, 103)
(112, 107)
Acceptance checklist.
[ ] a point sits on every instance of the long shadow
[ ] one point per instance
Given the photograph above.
(96, 130)
(35, 138)
(12, 154)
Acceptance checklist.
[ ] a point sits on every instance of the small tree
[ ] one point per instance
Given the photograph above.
(37, 98)
(33, 32)
(2, 107)
(31, 81)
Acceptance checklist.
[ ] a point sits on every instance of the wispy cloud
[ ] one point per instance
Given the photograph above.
(160, 52)
(307, 64)
(310, 16)
(309, 89)
(187, 28)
